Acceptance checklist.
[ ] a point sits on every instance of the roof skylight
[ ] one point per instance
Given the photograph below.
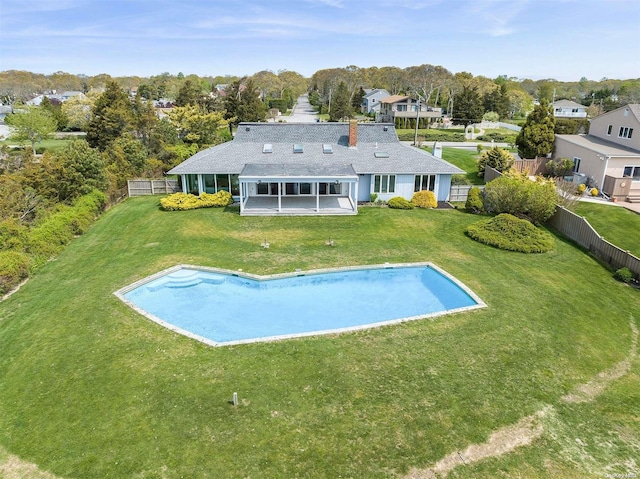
(297, 148)
(327, 149)
(381, 154)
(267, 148)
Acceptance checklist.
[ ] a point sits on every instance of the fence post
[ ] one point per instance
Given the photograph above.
(129, 188)
(151, 181)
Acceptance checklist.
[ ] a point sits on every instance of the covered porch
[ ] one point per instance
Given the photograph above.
(280, 190)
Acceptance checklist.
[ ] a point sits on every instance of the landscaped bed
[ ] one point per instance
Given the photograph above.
(88, 388)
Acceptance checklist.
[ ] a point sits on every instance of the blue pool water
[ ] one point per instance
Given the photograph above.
(220, 307)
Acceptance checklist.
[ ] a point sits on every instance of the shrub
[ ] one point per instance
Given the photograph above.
(497, 158)
(624, 274)
(400, 203)
(14, 267)
(594, 192)
(13, 235)
(187, 201)
(559, 167)
(519, 196)
(474, 202)
(424, 199)
(49, 237)
(507, 232)
(582, 188)
(373, 197)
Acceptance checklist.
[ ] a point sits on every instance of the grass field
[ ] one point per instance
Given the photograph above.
(617, 225)
(91, 389)
(466, 160)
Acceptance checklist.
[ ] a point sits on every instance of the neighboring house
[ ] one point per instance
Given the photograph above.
(59, 97)
(314, 168)
(371, 100)
(568, 109)
(609, 156)
(405, 107)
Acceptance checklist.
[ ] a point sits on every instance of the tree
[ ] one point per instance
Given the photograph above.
(55, 110)
(469, 107)
(496, 158)
(77, 109)
(537, 135)
(33, 125)
(189, 94)
(110, 117)
(340, 104)
(251, 108)
(195, 126)
(83, 169)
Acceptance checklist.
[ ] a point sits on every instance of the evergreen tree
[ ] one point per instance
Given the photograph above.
(251, 107)
(468, 107)
(537, 135)
(110, 117)
(356, 101)
(189, 94)
(340, 104)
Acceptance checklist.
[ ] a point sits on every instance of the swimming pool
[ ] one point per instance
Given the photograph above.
(221, 307)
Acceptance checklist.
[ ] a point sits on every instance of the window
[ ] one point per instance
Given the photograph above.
(297, 148)
(327, 149)
(335, 188)
(402, 108)
(384, 183)
(424, 182)
(305, 188)
(609, 128)
(632, 172)
(576, 164)
(267, 148)
(263, 188)
(625, 132)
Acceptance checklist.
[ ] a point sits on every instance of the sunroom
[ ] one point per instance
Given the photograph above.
(297, 189)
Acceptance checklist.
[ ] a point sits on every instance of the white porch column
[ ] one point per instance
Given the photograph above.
(241, 183)
(355, 196)
(200, 184)
(184, 183)
(279, 197)
(317, 197)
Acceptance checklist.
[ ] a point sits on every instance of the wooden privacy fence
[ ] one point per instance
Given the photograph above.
(579, 230)
(461, 192)
(144, 187)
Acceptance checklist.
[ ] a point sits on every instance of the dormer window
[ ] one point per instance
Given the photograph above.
(297, 148)
(267, 148)
(327, 149)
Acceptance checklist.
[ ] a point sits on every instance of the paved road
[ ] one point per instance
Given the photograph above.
(302, 112)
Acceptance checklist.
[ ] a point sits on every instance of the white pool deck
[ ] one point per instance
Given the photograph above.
(239, 273)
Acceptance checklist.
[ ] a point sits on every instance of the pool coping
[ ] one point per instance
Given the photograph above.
(239, 273)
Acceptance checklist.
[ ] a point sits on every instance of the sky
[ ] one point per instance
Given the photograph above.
(537, 39)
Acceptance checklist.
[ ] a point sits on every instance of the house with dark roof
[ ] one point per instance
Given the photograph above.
(314, 168)
(609, 156)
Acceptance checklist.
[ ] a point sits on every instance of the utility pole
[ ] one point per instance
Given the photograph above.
(415, 138)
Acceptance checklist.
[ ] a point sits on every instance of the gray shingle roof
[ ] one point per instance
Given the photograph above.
(247, 145)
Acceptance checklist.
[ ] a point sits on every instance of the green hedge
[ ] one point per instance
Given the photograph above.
(187, 201)
(14, 267)
(507, 232)
(400, 203)
(50, 236)
(431, 135)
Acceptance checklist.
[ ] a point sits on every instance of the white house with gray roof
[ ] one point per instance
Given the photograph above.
(314, 168)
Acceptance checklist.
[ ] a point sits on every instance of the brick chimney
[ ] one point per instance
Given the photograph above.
(353, 133)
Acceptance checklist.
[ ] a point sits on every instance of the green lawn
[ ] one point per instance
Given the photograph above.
(51, 144)
(91, 389)
(466, 160)
(617, 225)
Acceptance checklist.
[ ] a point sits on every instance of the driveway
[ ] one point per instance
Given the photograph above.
(302, 112)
